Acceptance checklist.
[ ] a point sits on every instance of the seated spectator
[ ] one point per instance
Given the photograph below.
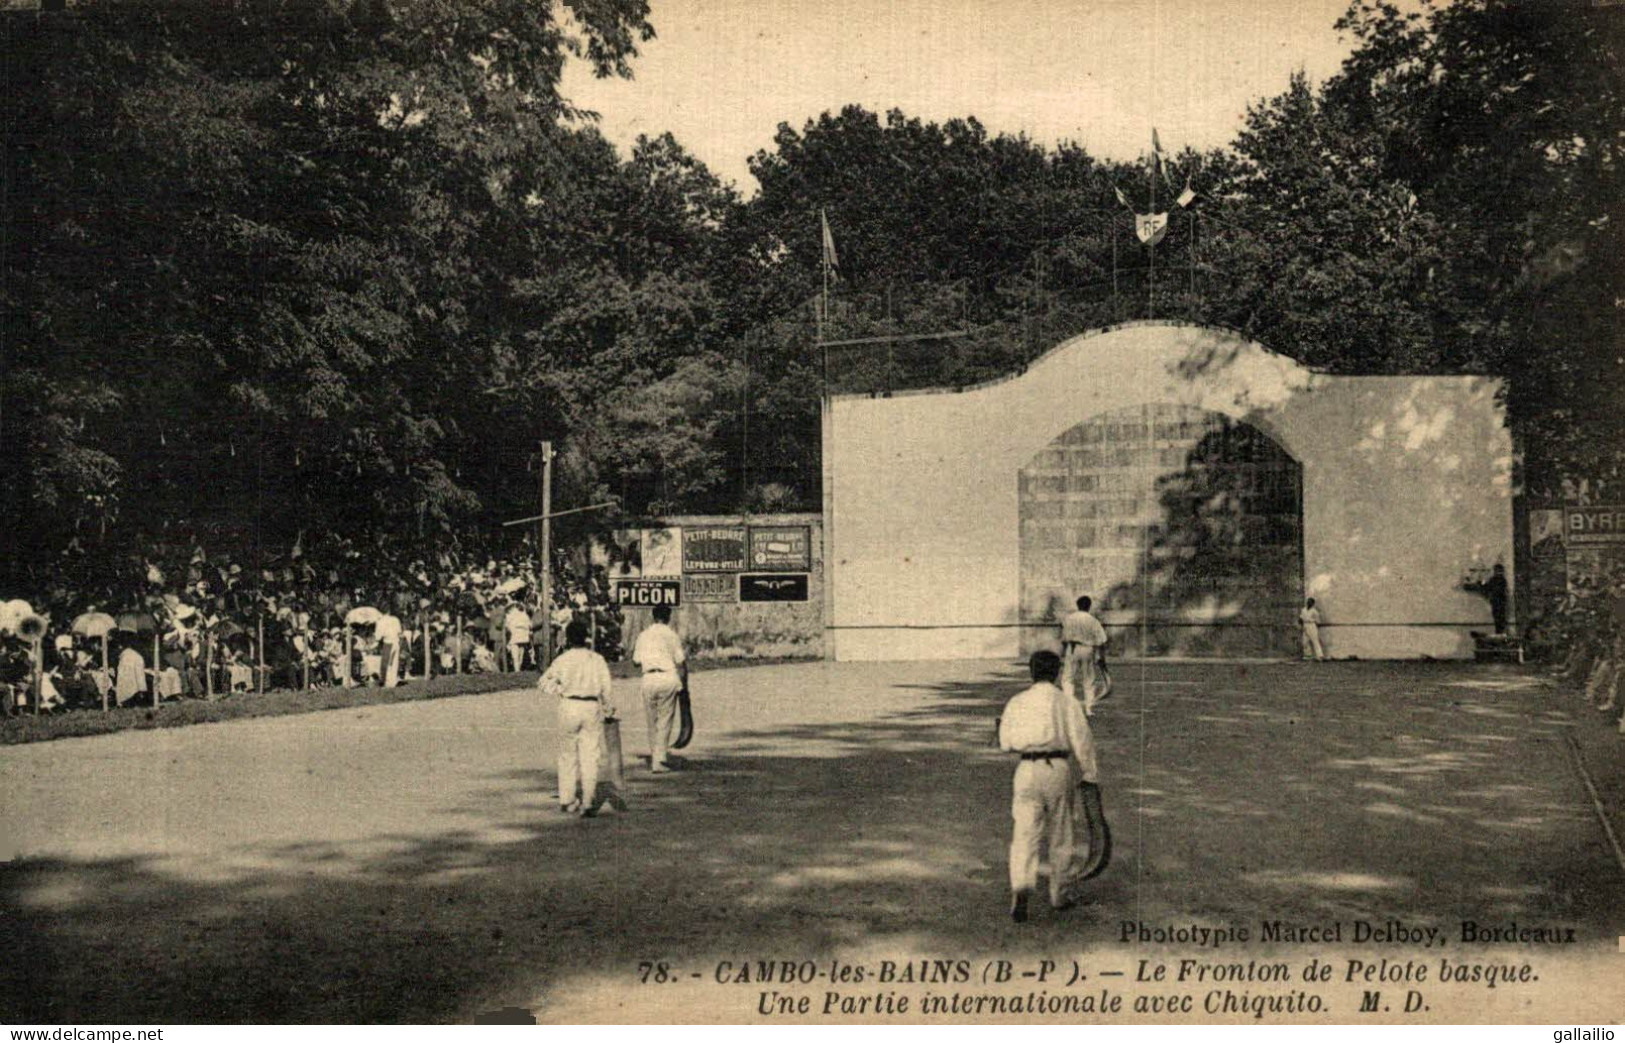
(70, 675)
(16, 670)
(132, 673)
(368, 660)
(289, 593)
(180, 651)
(337, 663)
(238, 674)
(481, 661)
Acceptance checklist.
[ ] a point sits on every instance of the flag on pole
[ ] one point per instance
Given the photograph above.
(1156, 142)
(830, 259)
(1151, 227)
(1186, 196)
(1121, 198)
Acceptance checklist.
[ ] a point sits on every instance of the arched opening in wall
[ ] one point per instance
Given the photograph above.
(1184, 526)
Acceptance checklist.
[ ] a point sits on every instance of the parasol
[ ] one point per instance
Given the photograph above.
(362, 616)
(13, 613)
(94, 624)
(138, 623)
(508, 586)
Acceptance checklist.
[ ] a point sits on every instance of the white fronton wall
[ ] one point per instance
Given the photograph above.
(1406, 486)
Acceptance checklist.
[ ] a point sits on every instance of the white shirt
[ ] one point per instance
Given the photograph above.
(579, 671)
(1043, 718)
(1080, 628)
(387, 630)
(518, 623)
(659, 649)
(1309, 617)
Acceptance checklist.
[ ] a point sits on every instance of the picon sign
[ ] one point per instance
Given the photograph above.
(647, 592)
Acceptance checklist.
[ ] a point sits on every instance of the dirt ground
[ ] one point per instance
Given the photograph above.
(407, 863)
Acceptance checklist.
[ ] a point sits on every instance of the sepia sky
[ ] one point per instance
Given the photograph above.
(722, 74)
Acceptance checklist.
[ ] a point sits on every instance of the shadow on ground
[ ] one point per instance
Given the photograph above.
(1236, 793)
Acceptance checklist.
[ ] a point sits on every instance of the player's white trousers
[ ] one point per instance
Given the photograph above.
(659, 711)
(1042, 807)
(1311, 642)
(1081, 677)
(581, 743)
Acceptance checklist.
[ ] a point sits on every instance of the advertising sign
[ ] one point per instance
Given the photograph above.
(647, 592)
(662, 552)
(622, 558)
(753, 587)
(718, 589)
(780, 548)
(719, 549)
(1595, 524)
(1545, 525)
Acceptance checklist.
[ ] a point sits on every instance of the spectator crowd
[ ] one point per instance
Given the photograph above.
(187, 623)
(1582, 635)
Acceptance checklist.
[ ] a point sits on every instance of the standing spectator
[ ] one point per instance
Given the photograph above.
(517, 624)
(388, 631)
(1608, 676)
(562, 615)
(495, 630)
(1495, 588)
(1309, 622)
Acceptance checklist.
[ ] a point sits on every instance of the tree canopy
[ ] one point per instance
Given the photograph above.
(321, 264)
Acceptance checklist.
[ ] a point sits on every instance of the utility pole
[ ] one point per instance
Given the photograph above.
(544, 654)
(546, 657)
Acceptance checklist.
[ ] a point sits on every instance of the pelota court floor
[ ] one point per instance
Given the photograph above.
(408, 863)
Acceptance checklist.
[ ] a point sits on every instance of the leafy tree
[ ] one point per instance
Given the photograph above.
(260, 253)
(1482, 144)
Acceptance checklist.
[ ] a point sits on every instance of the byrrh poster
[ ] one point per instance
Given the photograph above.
(1033, 449)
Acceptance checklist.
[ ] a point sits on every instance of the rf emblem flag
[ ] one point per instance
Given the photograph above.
(1151, 228)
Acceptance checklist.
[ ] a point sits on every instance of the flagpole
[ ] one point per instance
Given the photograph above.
(744, 433)
(1151, 275)
(1193, 264)
(1117, 302)
(823, 296)
(826, 414)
